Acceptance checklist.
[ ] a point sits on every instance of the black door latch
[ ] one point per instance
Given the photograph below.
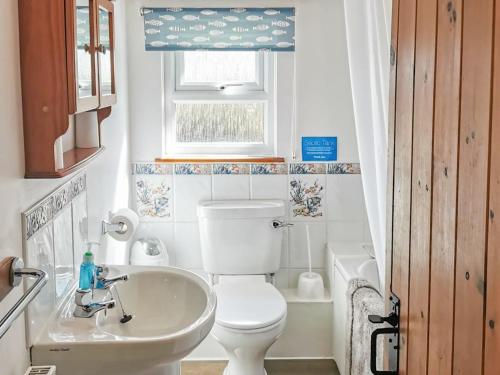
(393, 320)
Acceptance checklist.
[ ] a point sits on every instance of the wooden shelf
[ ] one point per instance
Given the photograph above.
(221, 160)
(73, 160)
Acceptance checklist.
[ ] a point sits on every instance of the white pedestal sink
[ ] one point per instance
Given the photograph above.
(173, 311)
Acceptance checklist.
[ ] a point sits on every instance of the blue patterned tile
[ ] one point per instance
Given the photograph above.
(307, 197)
(280, 168)
(228, 168)
(195, 169)
(153, 197)
(344, 168)
(152, 169)
(45, 210)
(307, 168)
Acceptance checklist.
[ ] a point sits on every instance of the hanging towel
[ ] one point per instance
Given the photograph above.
(362, 300)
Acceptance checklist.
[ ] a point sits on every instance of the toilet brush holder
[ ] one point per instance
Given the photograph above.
(310, 286)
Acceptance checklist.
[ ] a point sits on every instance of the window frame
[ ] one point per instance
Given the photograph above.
(199, 94)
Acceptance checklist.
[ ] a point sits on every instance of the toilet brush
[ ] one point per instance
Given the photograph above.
(310, 283)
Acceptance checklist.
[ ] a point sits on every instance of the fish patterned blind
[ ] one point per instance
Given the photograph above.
(228, 29)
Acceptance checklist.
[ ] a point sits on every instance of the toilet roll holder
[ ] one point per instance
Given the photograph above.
(120, 228)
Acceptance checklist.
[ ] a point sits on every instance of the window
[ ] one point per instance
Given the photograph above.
(220, 103)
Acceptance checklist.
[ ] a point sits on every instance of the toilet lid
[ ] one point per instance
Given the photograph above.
(248, 306)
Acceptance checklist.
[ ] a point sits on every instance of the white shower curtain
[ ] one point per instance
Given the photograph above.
(368, 43)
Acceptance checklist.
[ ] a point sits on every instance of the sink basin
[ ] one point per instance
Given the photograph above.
(173, 311)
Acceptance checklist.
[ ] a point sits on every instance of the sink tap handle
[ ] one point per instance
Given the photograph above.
(83, 297)
(101, 271)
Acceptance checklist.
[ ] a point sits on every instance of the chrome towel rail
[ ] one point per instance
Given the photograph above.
(17, 273)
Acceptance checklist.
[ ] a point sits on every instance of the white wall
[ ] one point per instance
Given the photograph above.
(108, 180)
(324, 104)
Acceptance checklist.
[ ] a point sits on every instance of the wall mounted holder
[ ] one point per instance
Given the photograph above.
(16, 274)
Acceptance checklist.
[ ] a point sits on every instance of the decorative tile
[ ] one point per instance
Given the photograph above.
(152, 169)
(344, 168)
(153, 197)
(37, 217)
(281, 168)
(197, 169)
(307, 197)
(231, 168)
(307, 168)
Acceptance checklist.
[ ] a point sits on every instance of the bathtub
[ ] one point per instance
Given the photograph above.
(346, 263)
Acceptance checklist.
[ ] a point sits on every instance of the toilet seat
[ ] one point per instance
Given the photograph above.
(248, 305)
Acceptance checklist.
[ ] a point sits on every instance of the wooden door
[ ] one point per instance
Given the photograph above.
(444, 178)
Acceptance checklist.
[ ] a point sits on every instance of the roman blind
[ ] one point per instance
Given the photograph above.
(229, 29)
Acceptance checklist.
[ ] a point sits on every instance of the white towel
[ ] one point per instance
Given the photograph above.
(362, 300)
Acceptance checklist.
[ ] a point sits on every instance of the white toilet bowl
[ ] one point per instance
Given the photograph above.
(251, 315)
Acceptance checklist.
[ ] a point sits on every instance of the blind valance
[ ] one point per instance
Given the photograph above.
(229, 29)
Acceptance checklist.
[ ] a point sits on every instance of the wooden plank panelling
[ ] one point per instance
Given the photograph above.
(425, 52)
(492, 323)
(444, 200)
(473, 186)
(402, 165)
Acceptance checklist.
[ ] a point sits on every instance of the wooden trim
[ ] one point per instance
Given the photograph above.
(403, 169)
(221, 160)
(473, 186)
(5, 266)
(73, 160)
(421, 196)
(107, 100)
(75, 103)
(444, 205)
(492, 322)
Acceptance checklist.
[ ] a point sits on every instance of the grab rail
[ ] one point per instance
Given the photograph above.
(17, 272)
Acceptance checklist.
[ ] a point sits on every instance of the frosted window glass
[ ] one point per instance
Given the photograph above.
(222, 123)
(219, 67)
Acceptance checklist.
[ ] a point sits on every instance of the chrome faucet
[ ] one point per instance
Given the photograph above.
(84, 306)
(101, 282)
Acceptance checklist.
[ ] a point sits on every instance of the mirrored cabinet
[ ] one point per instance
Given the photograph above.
(68, 81)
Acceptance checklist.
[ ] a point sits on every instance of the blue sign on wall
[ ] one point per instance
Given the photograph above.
(319, 148)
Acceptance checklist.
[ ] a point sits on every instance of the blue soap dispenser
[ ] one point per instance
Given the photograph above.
(87, 270)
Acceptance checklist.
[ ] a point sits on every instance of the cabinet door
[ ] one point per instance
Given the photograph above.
(82, 68)
(105, 48)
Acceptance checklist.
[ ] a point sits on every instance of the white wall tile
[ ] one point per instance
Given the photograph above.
(285, 252)
(281, 278)
(63, 251)
(39, 253)
(345, 197)
(345, 231)
(298, 253)
(187, 246)
(231, 186)
(307, 197)
(269, 187)
(80, 229)
(162, 231)
(189, 190)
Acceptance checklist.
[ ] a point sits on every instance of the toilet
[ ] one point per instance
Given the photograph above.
(241, 248)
